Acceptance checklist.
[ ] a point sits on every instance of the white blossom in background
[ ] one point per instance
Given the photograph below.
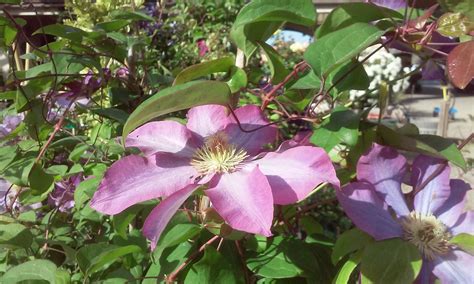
(299, 46)
(383, 66)
(320, 109)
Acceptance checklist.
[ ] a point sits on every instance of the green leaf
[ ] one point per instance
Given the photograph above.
(94, 257)
(64, 31)
(110, 256)
(454, 25)
(344, 274)
(349, 13)
(348, 242)
(300, 12)
(177, 234)
(203, 69)
(66, 64)
(57, 170)
(131, 15)
(7, 155)
(341, 126)
(245, 37)
(37, 70)
(425, 144)
(112, 26)
(78, 152)
(8, 95)
(122, 220)
(112, 113)
(464, 241)
(33, 270)
(356, 79)
(17, 172)
(259, 19)
(15, 235)
(169, 261)
(26, 94)
(85, 190)
(284, 258)
(62, 277)
(238, 79)
(176, 98)
(40, 181)
(17, 2)
(336, 48)
(277, 66)
(310, 225)
(465, 7)
(213, 267)
(390, 261)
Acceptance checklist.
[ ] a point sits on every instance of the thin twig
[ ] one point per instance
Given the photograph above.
(299, 67)
(171, 278)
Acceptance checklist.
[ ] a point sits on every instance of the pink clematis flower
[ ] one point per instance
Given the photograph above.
(202, 46)
(243, 183)
(439, 211)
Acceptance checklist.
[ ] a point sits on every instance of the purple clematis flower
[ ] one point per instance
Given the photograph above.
(243, 183)
(81, 90)
(10, 122)
(392, 4)
(433, 71)
(122, 72)
(62, 196)
(439, 211)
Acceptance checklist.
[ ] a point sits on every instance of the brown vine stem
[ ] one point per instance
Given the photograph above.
(441, 167)
(299, 67)
(171, 278)
(57, 127)
(242, 259)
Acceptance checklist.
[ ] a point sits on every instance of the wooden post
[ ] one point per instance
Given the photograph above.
(444, 114)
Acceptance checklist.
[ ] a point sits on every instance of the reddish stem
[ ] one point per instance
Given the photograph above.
(272, 94)
(174, 274)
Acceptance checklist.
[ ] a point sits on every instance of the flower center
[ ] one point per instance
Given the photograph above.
(427, 233)
(218, 156)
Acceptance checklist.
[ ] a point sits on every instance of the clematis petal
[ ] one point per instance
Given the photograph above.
(464, 224)
(244, 199)
(250, 118)
(300, 139)
(453, 210)
(437, 191)
(135, 179)
(385, 169)
(207, 119)
(392, 4)
(295, 172)
(368, 212)
(163, 136)
(426, 273)
(160, 216)
(454, 267)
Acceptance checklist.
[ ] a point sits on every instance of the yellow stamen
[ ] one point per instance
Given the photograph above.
(218, 156)
(427, 233)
